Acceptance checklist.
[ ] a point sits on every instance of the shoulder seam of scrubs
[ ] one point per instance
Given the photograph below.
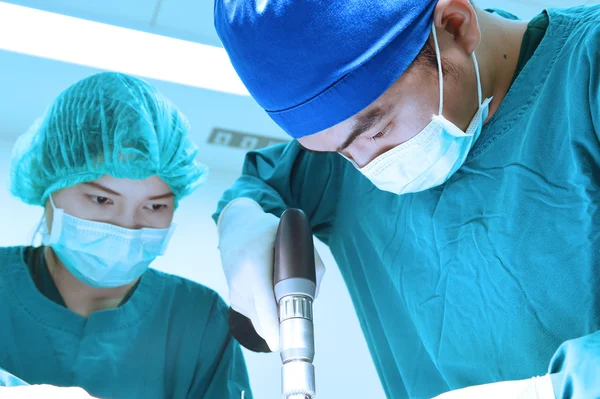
(557, 29)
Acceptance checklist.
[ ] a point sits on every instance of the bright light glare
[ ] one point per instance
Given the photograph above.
(77, 41)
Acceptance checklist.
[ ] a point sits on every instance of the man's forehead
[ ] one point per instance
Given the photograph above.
(382, 105)
(371, 113)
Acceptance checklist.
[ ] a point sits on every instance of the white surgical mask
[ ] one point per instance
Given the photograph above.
(103, 255)
(432, 156)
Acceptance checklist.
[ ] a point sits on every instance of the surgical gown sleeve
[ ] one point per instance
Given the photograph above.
(221, 372)
(288, 176)
(577, 365)
(577, 362)
(9, 380)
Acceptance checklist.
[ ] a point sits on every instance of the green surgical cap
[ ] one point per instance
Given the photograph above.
(107, 124)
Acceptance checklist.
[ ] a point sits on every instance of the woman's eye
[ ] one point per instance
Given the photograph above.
(157, 207)
(100, 200)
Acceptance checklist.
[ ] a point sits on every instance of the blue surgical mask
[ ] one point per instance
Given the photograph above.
(432, 156)
(103, 255)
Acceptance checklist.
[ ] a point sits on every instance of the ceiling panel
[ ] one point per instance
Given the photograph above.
(133, 14)
(28, 85)
(193, 18)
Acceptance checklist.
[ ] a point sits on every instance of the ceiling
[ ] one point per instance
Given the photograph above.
(184, 19)
(28, 84)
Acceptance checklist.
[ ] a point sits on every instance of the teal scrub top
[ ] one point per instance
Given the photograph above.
(170, 339)
(494, 275)
(536, 29)
(35, 260)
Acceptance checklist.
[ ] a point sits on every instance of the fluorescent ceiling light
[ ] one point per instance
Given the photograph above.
(58, 37)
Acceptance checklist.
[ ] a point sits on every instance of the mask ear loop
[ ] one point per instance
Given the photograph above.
(40, 225)
(57, 221)
(38, 229)
(439, 62)
(479, 95)
(52, 202)
(440, 76)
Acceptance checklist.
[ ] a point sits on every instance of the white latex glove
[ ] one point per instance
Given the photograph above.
(533, 388)
(43, 391)
(246, 242)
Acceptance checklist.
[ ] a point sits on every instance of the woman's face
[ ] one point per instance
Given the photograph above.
(133, 204)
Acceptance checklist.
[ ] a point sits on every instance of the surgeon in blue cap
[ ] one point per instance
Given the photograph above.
(449, 157)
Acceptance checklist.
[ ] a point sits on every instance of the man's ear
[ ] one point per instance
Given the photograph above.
(458, 17)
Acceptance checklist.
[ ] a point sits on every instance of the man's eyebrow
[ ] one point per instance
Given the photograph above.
(365, 122)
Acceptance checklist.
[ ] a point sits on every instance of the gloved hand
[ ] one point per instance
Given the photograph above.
(246, 242)
(533, 388)
(43, 391)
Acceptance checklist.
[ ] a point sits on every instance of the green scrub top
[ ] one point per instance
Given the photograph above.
(492, 276)
(536, 29)
(170, 339)
(38, 268)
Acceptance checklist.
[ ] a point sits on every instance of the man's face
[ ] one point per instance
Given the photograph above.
(406, 107)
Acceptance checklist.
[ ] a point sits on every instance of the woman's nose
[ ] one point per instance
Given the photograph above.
(128, 220)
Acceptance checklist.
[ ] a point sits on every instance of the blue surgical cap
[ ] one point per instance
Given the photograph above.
(313, 63)
(107, 124)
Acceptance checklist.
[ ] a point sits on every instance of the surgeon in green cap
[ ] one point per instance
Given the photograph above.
(83, 315)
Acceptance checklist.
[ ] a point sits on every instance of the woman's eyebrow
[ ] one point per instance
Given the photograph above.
(108, 190)
(101, 187)
(161, 196)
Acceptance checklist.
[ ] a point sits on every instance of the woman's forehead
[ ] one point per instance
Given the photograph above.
(152, 186)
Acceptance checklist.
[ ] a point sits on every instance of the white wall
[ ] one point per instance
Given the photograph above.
(343, 364)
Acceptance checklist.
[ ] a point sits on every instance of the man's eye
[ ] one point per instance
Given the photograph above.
(378, 135)
(381, 133)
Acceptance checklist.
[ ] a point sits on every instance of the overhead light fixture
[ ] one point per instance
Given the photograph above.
(245, 141)
(59, 37)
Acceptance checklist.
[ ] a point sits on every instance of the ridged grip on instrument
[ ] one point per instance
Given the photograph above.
(293, 258)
